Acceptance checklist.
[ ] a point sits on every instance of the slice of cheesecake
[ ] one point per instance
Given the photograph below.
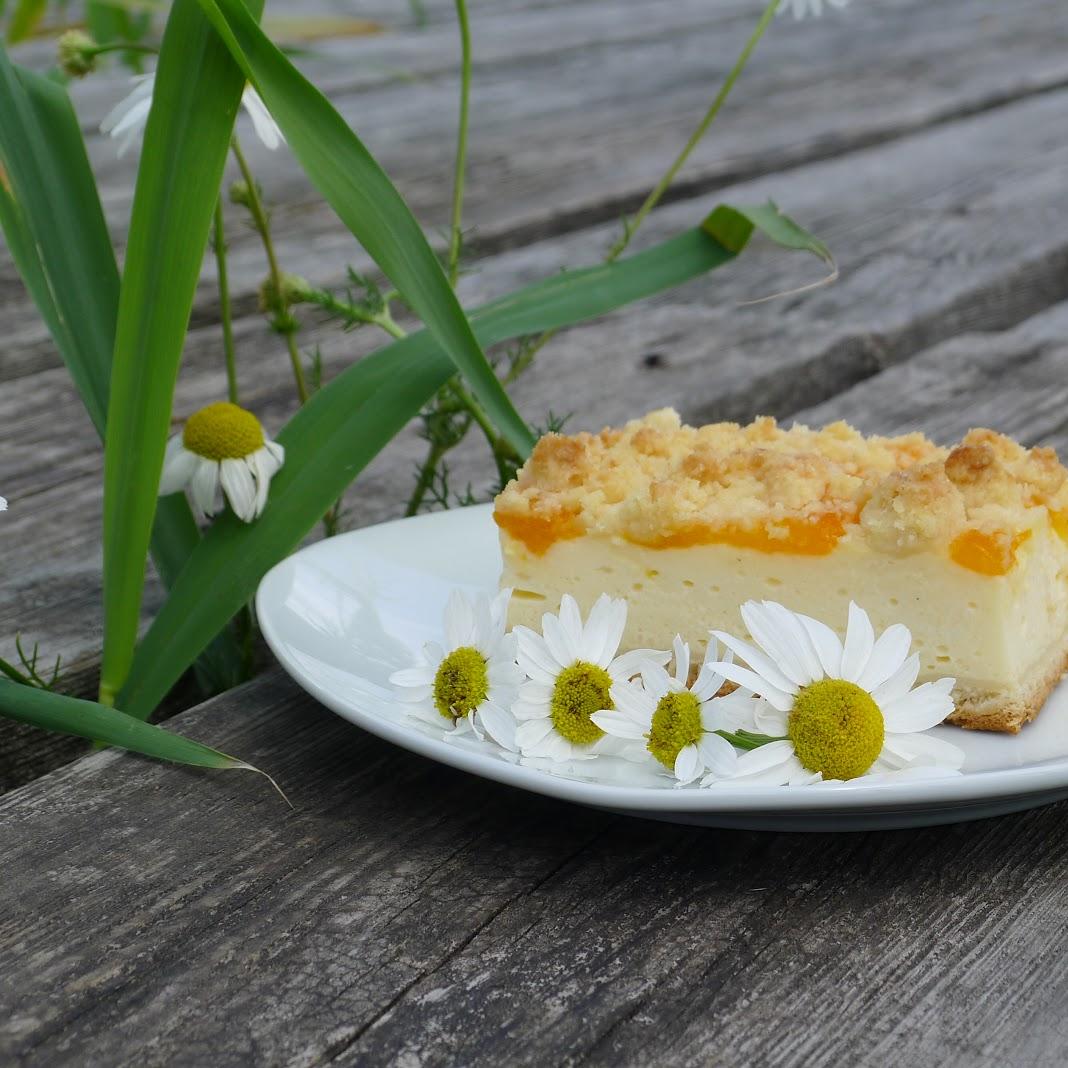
(968, 547)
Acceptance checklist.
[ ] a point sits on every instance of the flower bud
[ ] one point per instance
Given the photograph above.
(294, 290)
(76, 53)
(239, 193)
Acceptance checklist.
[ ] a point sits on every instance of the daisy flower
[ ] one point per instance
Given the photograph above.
(801, 8)
(677, 722)
(573, 672)
(837, 711)
(470, 682)
(126, 121)
(222, 445)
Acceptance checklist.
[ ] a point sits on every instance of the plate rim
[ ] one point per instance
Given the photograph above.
(991, 785)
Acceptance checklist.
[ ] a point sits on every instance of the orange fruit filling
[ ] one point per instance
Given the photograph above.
(799, 536)
(989, 554)
(538, 533)
(802, 537)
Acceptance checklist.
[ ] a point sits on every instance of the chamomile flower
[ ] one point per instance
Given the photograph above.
(837, 711)
(676, 722)
(126, 121)
(469, 683)
(801, 8)
(222, 445)
(573, 672)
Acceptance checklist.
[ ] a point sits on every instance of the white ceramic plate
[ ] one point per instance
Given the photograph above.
(343, 614)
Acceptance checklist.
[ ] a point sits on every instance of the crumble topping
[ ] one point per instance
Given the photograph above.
(656, 477)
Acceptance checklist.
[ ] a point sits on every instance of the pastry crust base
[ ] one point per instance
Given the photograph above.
(1007, 713)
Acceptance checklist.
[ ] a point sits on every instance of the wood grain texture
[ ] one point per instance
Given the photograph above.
(404, 913)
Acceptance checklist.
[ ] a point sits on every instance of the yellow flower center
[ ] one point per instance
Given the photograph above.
(676, 724)
(580, 690)
(223, 431)
(837, 729)
(461, 683)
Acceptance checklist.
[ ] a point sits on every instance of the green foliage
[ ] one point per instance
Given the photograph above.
(87, 719)
(54, 225)
(357, 188)
(343, 426)
(197, 92)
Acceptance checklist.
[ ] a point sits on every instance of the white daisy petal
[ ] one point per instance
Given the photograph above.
(656, 680)
(534, 657)
(808, 664)
(770, 720)
(899, 683)
(604, 630)
(633, 701)
(267, 130)
(718, 755)
(571, 620)
(752, 681)
(533, 732)
(827, 644)
(619, 725)
(759, 661)
(733, 712)
(779, 635)
(925, 749)
(687, 764)
(499, 725)
(203, 486)
(629, 664)
(239, 488)
(178, 467)
(681, 651)
(859, 642)
(765, 757)
(888, 654)
(556, 641)
(920, 710)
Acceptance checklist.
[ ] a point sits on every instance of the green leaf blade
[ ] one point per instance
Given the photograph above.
(54, 224)
(87, 719)
(197, 91)
(367, 202)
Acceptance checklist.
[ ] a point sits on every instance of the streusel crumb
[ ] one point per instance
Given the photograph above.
(656, 478)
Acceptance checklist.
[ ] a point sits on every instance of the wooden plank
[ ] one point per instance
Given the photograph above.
(405, 913)
(540, 164)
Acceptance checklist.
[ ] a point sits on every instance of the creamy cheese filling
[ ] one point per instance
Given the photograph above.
(992, 632)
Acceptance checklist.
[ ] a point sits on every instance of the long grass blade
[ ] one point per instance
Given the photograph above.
(87, 719)
(366, 201)
(332, 438)
(197, 91)
(54, 225)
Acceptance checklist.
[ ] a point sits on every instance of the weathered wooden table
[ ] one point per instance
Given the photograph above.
(405, 913)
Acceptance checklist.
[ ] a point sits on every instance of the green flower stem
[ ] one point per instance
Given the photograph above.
(435, 453)
(423, 480)
(284, 323)
(125, 46)
(699, 132)
(353, 313)
(747, 740)
(225, 310)
(456, 227)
